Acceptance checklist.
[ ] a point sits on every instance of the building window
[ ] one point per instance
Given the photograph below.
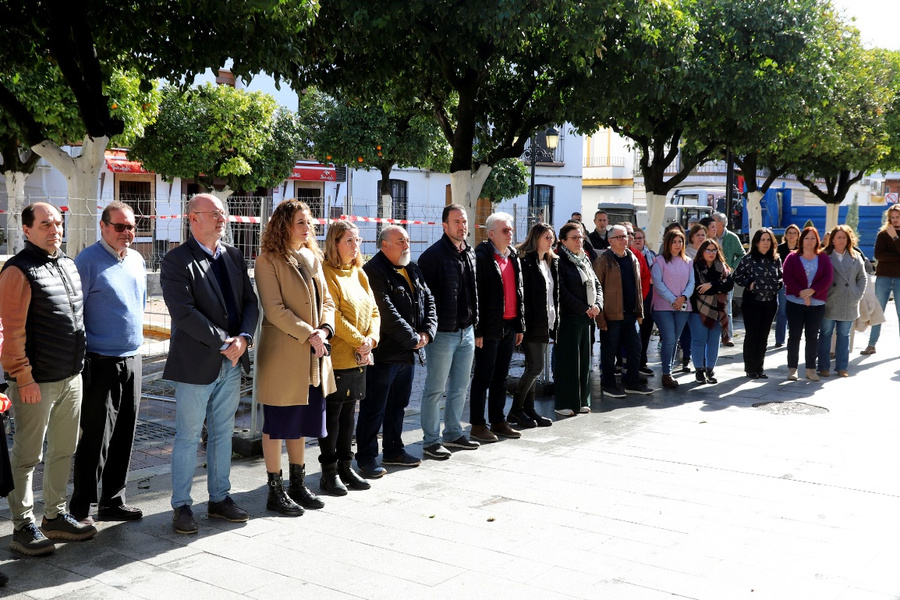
(139, 196)
(540, 209)
(399, 197)
(314, 197)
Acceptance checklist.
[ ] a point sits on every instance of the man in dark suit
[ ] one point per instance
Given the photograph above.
(214, 313)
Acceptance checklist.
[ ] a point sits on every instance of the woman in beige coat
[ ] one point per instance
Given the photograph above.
(294, 372)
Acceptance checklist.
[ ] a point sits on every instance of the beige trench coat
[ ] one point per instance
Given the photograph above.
(283, 353)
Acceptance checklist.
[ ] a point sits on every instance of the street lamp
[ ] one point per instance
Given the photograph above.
(551, 137)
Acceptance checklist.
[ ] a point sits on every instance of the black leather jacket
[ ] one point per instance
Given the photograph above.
(404, 313)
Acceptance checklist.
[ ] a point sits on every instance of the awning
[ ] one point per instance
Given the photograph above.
(117, 162)
(313, 172)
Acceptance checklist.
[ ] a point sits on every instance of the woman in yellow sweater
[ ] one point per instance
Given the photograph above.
(356, 328)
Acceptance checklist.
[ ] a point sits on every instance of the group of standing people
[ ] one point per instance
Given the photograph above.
(337, 333)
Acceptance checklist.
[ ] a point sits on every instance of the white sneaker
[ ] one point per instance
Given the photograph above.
(565, 412)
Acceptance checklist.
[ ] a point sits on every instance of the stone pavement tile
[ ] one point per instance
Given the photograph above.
(97, 591)
(625, 590)
(41, 579)
(386, 587)
(233, 575)
(162, 584)
(308, 565)
(130, 542)
(475, 585)
(292, 588)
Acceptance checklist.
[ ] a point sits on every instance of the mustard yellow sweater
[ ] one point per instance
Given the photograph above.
(355, 313)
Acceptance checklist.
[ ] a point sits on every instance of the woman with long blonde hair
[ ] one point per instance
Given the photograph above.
(357, 325)
(294, 371)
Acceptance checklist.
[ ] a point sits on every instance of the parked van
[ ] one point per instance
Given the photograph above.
(685, 215)
(711, 197)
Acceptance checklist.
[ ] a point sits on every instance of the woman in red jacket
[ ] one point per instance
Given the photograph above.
(807, 276)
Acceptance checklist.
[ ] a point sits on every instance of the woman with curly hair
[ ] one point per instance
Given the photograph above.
(842, 305)
(293, 366)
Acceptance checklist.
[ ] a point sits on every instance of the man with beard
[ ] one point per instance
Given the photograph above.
(408, 324)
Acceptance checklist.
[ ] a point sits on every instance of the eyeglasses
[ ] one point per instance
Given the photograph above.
(120, 227)
(352, 241)
(215, 213)
(712, 250)
(507, 230)
(575, 237)
(617, 237)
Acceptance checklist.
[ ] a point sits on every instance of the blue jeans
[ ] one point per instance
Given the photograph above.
(729, 310)
(841, 347)
(883, 288)
(449, 355)
(217, 403)
(704, 342)
(670, 324)
(780, 318)
(388, 387)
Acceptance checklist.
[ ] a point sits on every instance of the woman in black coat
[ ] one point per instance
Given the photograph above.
(540, 272)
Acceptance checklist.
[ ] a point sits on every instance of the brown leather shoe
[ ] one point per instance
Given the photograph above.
(482, 434)
(843, 373)
(869, 350)
(726, 341)
(504, 430)
(669, 382)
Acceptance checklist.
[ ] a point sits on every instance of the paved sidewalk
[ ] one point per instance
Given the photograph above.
(689, 493)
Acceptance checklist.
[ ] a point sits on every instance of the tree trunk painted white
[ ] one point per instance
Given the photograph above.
(15, 192)
(465, 188)
(81, 175)
(831, 218)
(385, 207)
(754, 210)
(656, 211)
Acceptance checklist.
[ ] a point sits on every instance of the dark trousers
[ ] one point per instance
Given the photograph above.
(489, 377)
(646, 326)
(337, 445)
(534, 364)
(572, 375)
(388, 387)
(806, 321)
(109, 409)
(758, 318)
(620, 334)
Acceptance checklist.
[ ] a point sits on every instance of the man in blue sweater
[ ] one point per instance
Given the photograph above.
(114, 282)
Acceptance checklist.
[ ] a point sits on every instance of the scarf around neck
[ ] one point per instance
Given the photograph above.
(585, 271)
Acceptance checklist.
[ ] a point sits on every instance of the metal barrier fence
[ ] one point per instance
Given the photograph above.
(162, 226)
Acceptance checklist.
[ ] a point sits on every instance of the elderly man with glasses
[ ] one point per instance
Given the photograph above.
(214, 312)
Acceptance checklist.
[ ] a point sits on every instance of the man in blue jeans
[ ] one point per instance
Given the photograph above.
(449, 269)
(408, 324)
(214, 311)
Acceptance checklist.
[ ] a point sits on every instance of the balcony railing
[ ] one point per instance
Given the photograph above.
(604, 161)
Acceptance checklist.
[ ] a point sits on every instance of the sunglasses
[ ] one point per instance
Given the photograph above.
(120, 227)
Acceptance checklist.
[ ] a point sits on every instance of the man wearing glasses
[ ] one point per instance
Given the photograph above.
(114, 283)
(214, 311)
(500, 327)
(619, 273)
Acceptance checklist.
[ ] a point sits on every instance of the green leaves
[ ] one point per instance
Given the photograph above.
(219, 132)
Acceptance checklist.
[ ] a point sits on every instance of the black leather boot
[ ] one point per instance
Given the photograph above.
(278, 500)
(710, 376)
(350, 477)
(700, 375)
(330, 483)
(298, 491)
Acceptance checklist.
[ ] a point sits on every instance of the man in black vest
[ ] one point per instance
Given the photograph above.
(41, 312)
(214, 312)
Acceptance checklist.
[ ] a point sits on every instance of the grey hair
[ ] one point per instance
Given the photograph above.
(620, 227)
(720, 217)
(385, 233)
(495, 217)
